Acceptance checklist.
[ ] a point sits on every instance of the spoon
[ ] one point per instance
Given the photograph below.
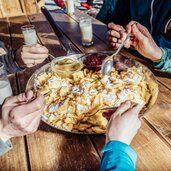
(108, 62)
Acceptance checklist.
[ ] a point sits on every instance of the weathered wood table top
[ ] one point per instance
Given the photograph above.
(51, 150)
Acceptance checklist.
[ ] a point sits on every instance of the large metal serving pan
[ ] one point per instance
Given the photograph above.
(150, 78)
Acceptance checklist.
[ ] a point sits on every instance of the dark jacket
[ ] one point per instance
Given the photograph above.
(8, 60)
(153, 14)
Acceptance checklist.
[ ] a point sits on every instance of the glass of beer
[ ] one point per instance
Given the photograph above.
(29, 33)
(86, 31)
(5, 87)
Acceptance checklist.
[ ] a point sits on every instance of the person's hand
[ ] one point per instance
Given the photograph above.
(114, 34)
(124, 123)
(29, 56)
(143, 42)
(20, 115)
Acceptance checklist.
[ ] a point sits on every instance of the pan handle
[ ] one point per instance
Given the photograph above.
(63, 40)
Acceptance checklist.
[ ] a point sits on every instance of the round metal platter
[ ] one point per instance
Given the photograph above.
(150, 78)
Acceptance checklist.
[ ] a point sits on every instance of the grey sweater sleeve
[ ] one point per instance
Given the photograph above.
(8, 60)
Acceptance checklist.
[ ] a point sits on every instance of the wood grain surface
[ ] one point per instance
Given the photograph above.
(49, 149)
(16, 158)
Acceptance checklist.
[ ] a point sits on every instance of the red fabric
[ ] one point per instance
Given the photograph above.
(60, 3)
(84, 4)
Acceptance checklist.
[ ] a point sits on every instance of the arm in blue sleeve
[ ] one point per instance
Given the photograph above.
(165, 63)
(118, 156)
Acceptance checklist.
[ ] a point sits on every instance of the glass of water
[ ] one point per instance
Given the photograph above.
(86, 31)
(5, 87)
(29, 33)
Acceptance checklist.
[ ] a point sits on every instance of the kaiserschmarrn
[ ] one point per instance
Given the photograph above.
(74, 104)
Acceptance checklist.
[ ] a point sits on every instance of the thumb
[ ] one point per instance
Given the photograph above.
(134, 111)
(29, 94)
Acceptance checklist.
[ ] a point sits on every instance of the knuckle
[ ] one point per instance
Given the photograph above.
(114, 39)
(18, 123)
(13, 117)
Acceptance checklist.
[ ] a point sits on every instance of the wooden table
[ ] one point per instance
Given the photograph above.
(49, 149)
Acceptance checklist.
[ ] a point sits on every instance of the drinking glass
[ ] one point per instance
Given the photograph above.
(29, 33)
(70, 7)
(86, 31)
(5, 87)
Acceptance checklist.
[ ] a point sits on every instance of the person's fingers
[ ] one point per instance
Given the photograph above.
(115, 45)
(123, 108)
(115, 27)
(129, 26)
(32, 61)
(22, 124)
(114, 33)
(114, 39)
(27, 55)
(143, 30)
(27, 108)
(110, 25)
(29, 65)
(35, 49)
(128, 42)
(138, 35)
(134, 111)
(13, 100)
(134, 42)
(28, 120)
(29, 94)
(138, 124)
(32, 127)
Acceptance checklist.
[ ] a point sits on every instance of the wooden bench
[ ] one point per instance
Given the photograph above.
(9, 8)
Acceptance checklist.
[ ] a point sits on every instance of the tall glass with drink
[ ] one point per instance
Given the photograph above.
(29, 33)
(5, 87)
(86, 31)
(70, 7)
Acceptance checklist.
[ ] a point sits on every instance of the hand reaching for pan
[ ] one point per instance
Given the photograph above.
(20, 115)
(124, 123)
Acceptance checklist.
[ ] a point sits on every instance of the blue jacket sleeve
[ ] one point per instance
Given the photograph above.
(165, 63)
(118, 156)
